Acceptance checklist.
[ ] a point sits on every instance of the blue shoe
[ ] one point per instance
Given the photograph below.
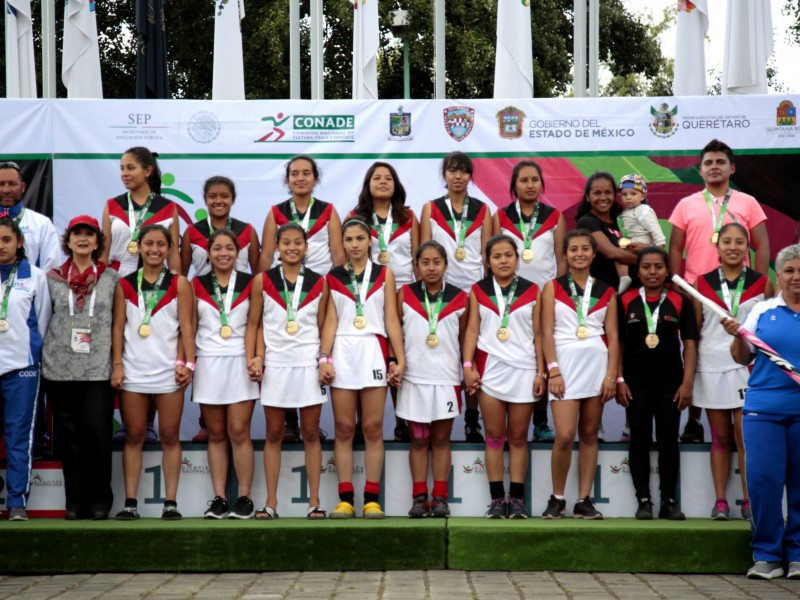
(543, 433)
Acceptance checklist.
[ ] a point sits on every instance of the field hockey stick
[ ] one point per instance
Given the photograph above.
(783, 364)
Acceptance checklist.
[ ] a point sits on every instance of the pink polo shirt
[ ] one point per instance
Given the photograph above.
(693, 216)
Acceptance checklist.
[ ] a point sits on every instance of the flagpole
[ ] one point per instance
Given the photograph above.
(294, 49)
(579, 49)
(438, 49)
(317, 63)
(48, 49)
(594, 46)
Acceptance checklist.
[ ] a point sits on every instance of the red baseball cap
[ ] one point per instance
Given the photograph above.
(86, 221)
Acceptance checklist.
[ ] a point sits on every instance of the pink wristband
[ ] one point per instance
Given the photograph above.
(190, 366)
(468, 364)
(552, 365)
(324, 359)
(180, 363)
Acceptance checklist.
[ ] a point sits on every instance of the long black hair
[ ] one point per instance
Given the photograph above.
(585, 207)
(365, 206)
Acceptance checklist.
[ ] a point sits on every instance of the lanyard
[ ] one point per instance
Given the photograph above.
(732, 303)
(716, 221)
(384, 230)
(504, 302)
(91, 300)
(652, 317)
(459, 225)
(146, 308)
(433, 315)
(211, 227)
(360, 291)
(581, 302)
(622, 229)
(296, 216)
(292, 298)
(224, 305)
(136, 217)
(7, 292)
(528, 230)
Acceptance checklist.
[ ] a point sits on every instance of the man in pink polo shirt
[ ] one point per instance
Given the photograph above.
(696, 222)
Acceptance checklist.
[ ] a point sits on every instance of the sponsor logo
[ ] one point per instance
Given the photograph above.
(477, 466)
(29, 373)
(786, 114)
(309, 128)
(400, 126)
(458, 121)
(573, 128)
(139, 126)
(509, 123)
(22, 285)
(330, 467)
(187, 468)
(39, 481)
(664, 123)
(204, 127)
(625, 467)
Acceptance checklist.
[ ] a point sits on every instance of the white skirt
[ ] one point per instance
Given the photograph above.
(162, 382)
(292, 387)
(359, 362)
(222, 380)
(720, 389)
(584, 366)
(426, 403)
(503, 381)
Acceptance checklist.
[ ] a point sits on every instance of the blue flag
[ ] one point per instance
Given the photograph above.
(151, 50)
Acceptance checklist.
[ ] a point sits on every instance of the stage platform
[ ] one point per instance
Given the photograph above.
(292, 544)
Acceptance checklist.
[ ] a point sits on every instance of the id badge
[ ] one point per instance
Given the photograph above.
(81, 340)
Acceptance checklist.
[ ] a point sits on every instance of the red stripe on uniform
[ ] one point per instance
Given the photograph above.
(507, 224)
(549, 223)
(411, 300)
(481, 356)
(169, 296)
(379, 281)
(525, 298)
(704, 287)
(441, 220)
(314, 293)
(478, 222)
(337, 286)
(272, 292)
(196, 238)
(322, 221)
(754, 290)
(457, 303)
(244, 295)
(484, 300)
(602, 301)
(202, 293)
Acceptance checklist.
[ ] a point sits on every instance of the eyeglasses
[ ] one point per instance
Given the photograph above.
(10, 165)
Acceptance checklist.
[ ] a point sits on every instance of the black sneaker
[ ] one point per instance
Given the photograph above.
(358, 434)
(669, 510)
(419, 508)
(129, 513)
(645, 510)
(497, 509)
(516, 508)
(439, 507)
(242, 509)
(693, 433)
(555, 508)
(217, 509)
(291, 434)
(472, 433)
(170, 511)
(584, 509)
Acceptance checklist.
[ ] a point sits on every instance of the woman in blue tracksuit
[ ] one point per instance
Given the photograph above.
(24, 315)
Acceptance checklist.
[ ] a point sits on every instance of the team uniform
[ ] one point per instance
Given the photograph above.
(431, 389)
(507, 369)
(221, 376)
(583, 362)
(460, 273)
(291, 372)
(198, 234)
(21, 344)
(42, 246)
(398, 245)
(720, 382)
(160, 212)
(543, 267)
(149, 362)
(359, 355)
(315, 222)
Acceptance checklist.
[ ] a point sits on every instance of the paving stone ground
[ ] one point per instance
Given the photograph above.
(394, 585)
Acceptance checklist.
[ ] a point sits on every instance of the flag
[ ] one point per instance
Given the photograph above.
(20, 65)
(513, 63)
(690, 59)
(80, 64)
(748, 45)
(228, 59)
(151, 50)
(365, 49)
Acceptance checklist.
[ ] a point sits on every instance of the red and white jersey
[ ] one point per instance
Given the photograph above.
(518, 350)
(566, 315)
(401, 262)
(345, 302)
(543, 267)
(160, 212)
(301, 348)
(318, 258)
(461, 273)
(440, 365)
(208, 341)
(199, 233)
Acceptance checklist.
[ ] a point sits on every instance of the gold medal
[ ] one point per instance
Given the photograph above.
(144, 330)
(133, 248)
(651, 340)
(360, 322)
(582, 332)
(383, 257)
(432, 340)
(503, 334)
(225, 332)
(4, 325)
(527, 255)
(624, 242)
(461, 253)
(292, 327)
(714, 240)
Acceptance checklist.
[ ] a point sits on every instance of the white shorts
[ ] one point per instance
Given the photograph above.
(359, 362)
(292, 387)
(162, 382)
(583, 365)
(503, 381)
(222, 380)
(720, 389)
(426, 402)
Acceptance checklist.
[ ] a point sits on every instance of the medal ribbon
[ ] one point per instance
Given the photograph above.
(224, 305)
(71, 297)
(732, 303)
(296, 216)
(528, 230)
(384, 230)
(292, 298)
(211, 227)
(652, 317)
(146, 308)
(433, 315)
(716, 221)
(460, 226)
(360, 291)
(504, 302)
(581, 302)
(136, 217)
(622, 229)
(7, 292)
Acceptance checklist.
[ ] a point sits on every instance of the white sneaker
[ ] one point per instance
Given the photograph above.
(765, 570)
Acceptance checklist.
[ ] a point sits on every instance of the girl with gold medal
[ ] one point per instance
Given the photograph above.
(226, 402)
(287, 307)
(579, 311)
(503, 366)
(153, 357)
(359, 361)
(434, 317)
